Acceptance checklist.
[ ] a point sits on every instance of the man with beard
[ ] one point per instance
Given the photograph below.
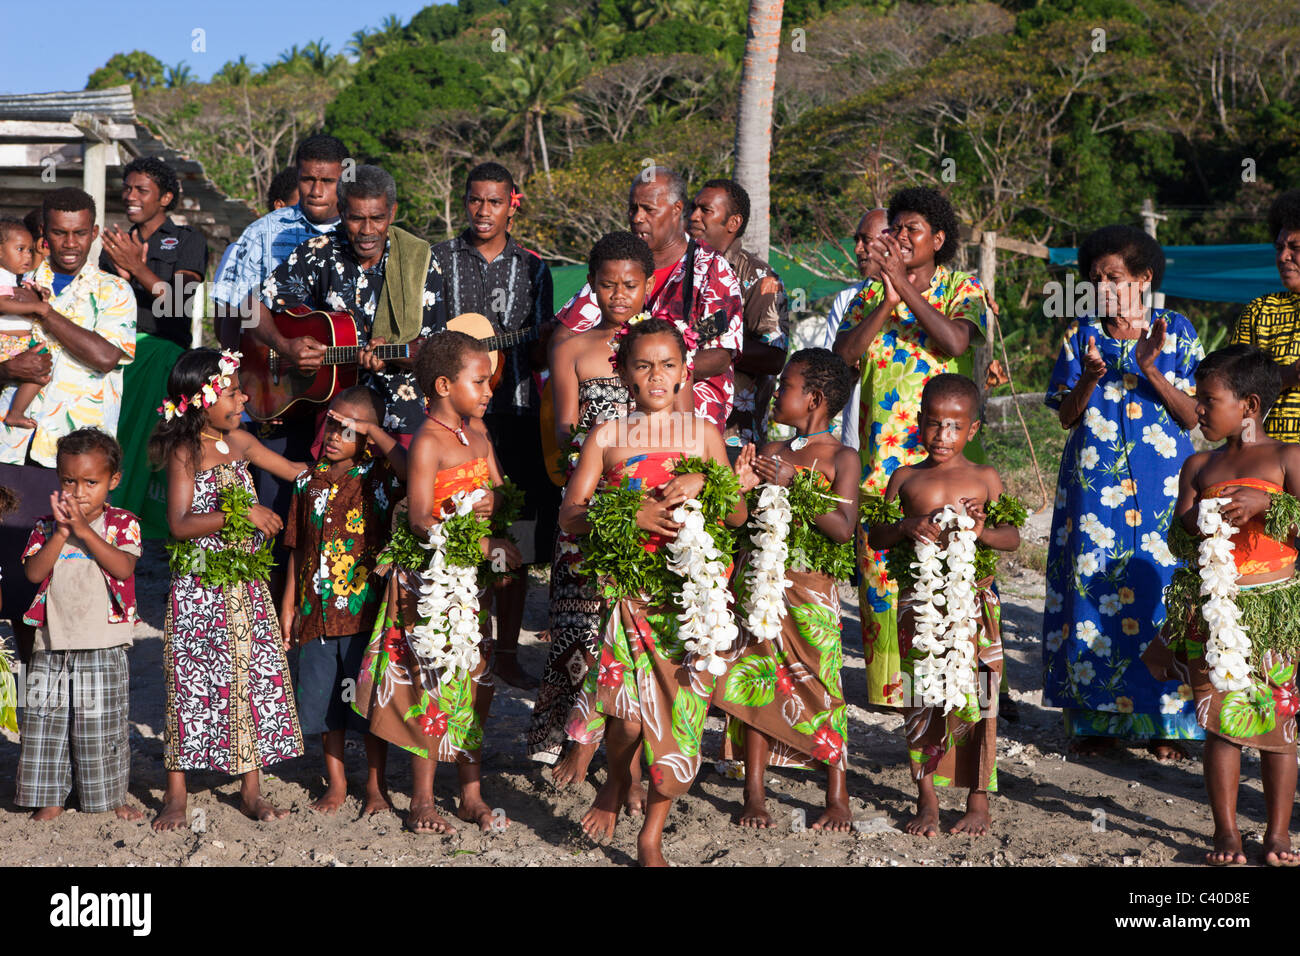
(350, 270)
(718, 218)
(694, 288)
(485, 271)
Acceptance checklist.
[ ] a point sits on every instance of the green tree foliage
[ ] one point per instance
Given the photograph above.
(393, 95)
(141, 70)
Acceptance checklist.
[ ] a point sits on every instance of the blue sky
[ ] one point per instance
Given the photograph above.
(73, 38)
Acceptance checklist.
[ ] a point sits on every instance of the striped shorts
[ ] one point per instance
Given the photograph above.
(75, 715)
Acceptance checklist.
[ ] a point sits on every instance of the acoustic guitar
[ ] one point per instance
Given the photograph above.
(276, 389)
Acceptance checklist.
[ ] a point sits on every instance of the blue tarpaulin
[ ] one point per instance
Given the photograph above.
(1236, 273)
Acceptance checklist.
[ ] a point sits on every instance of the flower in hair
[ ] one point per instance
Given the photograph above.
(209, 393)
(515, 199)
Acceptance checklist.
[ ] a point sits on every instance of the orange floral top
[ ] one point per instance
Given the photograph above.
(1260, 554)
(464, 477)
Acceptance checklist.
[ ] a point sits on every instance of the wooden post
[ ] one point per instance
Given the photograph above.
(94, 159)
(1149, 218)
(988, 268)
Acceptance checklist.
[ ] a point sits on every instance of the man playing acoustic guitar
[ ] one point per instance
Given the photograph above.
(371, 270)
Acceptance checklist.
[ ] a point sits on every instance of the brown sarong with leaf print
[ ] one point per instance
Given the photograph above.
(1261, 716)
(789, 692)
(643, 677)
(960, 748)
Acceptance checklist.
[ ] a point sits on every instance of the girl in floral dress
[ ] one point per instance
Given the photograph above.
(1125, 395)
(625, 494)
(587, 392)
(435, 714)
(230, 705)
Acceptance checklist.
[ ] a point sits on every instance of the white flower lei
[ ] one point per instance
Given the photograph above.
(448, 635)
(1227, 652)
(945, 676)
(707, 625)
(765, 577)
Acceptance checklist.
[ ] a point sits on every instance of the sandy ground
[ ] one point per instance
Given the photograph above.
(1121, 810)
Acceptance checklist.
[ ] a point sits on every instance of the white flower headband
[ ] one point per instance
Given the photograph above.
(209, 393)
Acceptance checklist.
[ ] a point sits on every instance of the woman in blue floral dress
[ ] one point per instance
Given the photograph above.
(1123, 385)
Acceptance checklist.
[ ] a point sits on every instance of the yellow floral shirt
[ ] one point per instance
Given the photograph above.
(77, 395)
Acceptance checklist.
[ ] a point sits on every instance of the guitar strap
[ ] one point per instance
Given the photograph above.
(688, 285)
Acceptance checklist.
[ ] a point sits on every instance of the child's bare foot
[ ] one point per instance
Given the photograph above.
(1227, 849)
(754, 814)
(424, 818)
(637, 794)
(474, 810)
(20, 421)
(46, 813)
(838, 818)
(599, 822)
(1168, 751)
(572, 767)
(926, 821)
(331, 801)
(377, 801)
(1092, 746)
(649, 851)
(1277, 851)
(260, 809)
(976, 819)
(128, 812)
(171, 816)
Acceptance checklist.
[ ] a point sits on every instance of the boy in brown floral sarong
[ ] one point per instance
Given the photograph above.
(783, 698)
(1235, 387)
(956, 746)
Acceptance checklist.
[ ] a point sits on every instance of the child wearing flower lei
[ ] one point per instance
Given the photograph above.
(948, 613)
(586, 392)
(781, 691)
(230, 706)
(1232, 630)
(425, 681)
(651, 493)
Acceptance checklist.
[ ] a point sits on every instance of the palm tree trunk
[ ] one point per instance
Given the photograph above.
(754, 118)
(541, 140)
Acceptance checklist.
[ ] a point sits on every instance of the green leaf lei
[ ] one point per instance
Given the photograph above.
(613, 552)
(464, 532)
(1007, 509)
(234, 564)
(1269, 613)
(809, 549)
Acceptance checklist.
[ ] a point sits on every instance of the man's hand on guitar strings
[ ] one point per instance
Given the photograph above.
(367, 358)
(306, 354)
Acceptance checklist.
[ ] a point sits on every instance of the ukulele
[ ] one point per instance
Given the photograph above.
(275, 388)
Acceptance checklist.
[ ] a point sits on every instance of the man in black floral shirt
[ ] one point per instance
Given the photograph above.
(343, 271)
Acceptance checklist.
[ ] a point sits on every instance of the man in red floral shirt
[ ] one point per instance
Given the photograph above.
(711, 301)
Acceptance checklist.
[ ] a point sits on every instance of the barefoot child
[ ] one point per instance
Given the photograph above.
(339, 520)
(17, 256)
(782, 690)
(1244, 687)
(83, 557)
(230, 706)
(587, 391)
(952, 652)
(651, 682)
(421, 688)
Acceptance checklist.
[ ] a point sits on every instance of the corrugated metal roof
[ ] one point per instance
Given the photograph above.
(115, 103)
